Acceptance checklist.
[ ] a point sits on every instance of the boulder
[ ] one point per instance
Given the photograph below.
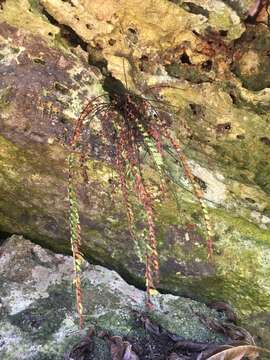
(38, 313)
(222, 125)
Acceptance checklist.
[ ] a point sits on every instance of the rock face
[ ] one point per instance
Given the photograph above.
(38, 316)
(223, 127)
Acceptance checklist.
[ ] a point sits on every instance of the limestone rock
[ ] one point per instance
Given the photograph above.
(223, 128)
(38, 314)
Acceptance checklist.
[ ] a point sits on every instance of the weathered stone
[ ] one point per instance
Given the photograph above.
(220, 16)
(252, 60)
(223, 128)
(242, 7)
(38, 314)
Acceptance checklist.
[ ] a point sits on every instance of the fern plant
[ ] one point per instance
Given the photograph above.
(130, 124)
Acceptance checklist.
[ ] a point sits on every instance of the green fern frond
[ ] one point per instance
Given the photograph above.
(75, 236)
(151, 145)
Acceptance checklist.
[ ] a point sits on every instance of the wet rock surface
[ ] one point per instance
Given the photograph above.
(222, 123)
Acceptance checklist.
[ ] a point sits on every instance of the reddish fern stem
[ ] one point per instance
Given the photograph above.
(79, 295)
(145, 200)
(75, 238)
(131, 154)
(120, 167)
(74, 215)
(149, 283)
(79, 123)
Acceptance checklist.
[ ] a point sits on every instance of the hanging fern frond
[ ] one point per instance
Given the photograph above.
(75, 237)
(131, 154)
(122, 171)
(130, 126)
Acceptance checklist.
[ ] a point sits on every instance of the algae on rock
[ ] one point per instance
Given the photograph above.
(224, 129)
(38, 317)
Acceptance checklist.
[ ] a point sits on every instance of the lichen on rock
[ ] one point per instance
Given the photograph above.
(38, 316)
(222, 123)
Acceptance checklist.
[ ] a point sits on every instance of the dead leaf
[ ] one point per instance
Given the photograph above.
(213, 350)
(191, 346)
(121, 350)
(232, 331)
(150, 326)
(238, 353)
(129, 353)
(117, 347)
(85, 347)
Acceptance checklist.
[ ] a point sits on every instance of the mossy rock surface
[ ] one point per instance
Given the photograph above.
(222, 124)
(38, 313)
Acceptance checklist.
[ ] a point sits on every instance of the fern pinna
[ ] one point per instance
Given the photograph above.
(74, 218)
(131, 125)
(75, 237)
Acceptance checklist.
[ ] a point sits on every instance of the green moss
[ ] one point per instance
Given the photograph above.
(238, 269)
(262, 176)
(259, 325)
(47, 356)
(244, 295)
(108, 248)
(35, 6)
(15, 50)
(243, 226)
(118, 322)
(44, 316)
(177, 322)
(222, 19)
(246, 160)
